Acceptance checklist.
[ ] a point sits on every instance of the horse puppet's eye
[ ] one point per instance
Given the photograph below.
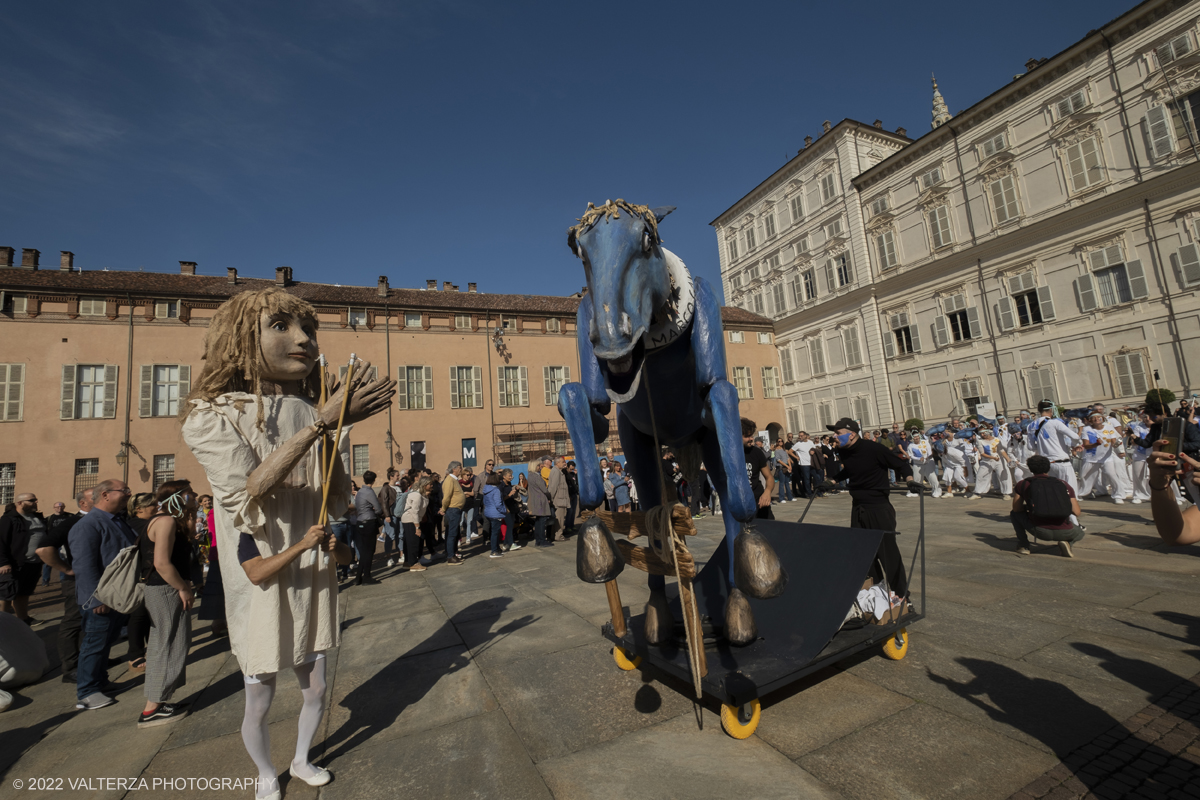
(646, 243)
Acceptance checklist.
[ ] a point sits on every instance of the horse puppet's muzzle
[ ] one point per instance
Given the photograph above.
(623, 375)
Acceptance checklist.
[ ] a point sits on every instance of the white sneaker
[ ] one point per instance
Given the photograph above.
(975, 497)
(911, 494)
(516, 547)
(391, 562)
(1118, 501)
(1136, 501)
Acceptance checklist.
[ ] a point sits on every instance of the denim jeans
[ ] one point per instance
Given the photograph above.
(493, 526)
(100, 633)
(784, 481)
(539, 529)
(392, 537)
(806, 478)
(341, 532)
(472, 517)
(453, 523)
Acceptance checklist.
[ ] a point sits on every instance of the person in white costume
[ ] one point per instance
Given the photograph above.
(1054, 439)
(954, 463)
(1004, 478)
(1139, 429)
(1099, 472)
(1019, 453)
(989, 463)
(920, 455)
(253, 423)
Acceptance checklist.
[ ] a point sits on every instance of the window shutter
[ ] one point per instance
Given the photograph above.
(524, 373)
(110, 391)
(454, 387)
(1189, 264)
(566, 375)
(402, 389)
(67, 411)
(146, 396)
(916, 338)
(185, 383)
(12, 402)
(1159, 133)
(1138, 286)
(1124, 379)
(889, 344)
(849, 269)
(1006, 314)
(500, 385)
(546, 384)
(160, 310)
(829, 279)
(428, 372)
(941, 331)
(973, 322)
(1084, 293)
(1045, 303)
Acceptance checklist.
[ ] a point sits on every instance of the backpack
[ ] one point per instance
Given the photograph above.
(1048, 499)
(120, 586)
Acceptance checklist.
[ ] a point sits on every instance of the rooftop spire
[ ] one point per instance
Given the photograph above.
(941, 114)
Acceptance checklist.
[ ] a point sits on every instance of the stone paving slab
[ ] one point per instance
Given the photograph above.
(491, 679)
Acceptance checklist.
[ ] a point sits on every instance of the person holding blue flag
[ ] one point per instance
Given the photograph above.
(989, 463)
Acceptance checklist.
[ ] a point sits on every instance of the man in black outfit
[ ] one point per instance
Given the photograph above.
(865, 465)
(758, 470)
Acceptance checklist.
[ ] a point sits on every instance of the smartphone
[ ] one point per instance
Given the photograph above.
(1172, 431)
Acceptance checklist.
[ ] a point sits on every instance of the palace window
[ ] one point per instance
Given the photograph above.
(553, 379)
(785, 361)
(931, 177)
(162, 387)
(1040, 383)
(764, 338)
(816, 355)
(12, 392)
(1111, 281)
(797, 206)
(513, 385)
(769, 224)
(1026, 304)
(743, 384)
(361, 457)
(412, 319)
(939, 227)
(828, 187)
(1084, 168)
(89, 391)
(993, 145)
(851, 345)
(414, 389)
(164, 470)
(462, 322)
(1004, 199)
(1075, 101)
(770, 381)
(885, 246)
(8, 482)
(87, 474)
(466, 387)
(910, 402)
(902, 337)
(92, 307)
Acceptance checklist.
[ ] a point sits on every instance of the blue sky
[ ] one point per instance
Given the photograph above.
(453, 140)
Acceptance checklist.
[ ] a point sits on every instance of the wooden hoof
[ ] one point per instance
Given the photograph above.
(756, 567)
(660, 625)
(597, 559)
(740, 629)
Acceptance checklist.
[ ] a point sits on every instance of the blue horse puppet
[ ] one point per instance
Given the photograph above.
(650, 341)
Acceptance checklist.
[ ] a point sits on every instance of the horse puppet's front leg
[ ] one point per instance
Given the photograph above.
(754, 568)
(587, 428)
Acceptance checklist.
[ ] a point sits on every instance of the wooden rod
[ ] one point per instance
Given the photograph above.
(615, 608)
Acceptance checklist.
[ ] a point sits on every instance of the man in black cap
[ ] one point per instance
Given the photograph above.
(865, 465)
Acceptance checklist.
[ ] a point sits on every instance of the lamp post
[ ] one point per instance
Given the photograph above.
(123, 454)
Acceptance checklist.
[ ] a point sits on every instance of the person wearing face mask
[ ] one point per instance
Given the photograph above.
(253, 422)
(865, 466)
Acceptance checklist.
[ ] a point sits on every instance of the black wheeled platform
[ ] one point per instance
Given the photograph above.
(799, 631)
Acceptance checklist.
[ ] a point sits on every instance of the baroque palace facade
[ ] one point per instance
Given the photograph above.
(1040, 244)
(95, 364)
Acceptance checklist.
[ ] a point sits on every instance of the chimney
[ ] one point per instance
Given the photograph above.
(808, 140)
(6, 256)
(1031, 64)
(381, 288)
(29, 258)
(447, 286)
(187, 267)
(826, 127)
(66, 260)
(902, 131)
(232, 272)
(283, 276)
(879, 124)
(431, 284)
(471, 288)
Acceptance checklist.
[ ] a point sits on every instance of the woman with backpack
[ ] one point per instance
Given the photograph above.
(166, 548)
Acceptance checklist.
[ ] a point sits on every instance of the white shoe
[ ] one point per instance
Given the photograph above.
(1136, 502)
(1118, 501)
(322, 777)
(516, 547)
(911, 494)
(391, 562)
(275, 795)
(975, 497)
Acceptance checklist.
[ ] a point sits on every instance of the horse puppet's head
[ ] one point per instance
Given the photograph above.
(628, 281)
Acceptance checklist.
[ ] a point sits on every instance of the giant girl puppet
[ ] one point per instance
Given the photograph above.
(254, 424)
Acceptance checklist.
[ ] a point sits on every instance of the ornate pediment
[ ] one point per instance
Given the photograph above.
(881, 222)
(792, 187)
(1184, 78)
(1000, 164)
(836, 246)
(933, 196)
(827, 165)
(1075, 127)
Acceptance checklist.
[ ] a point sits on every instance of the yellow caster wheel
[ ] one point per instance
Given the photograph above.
(741, 722)
(624, 661)
(896, 648)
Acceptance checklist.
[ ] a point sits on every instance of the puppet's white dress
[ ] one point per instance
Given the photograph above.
(281, 623)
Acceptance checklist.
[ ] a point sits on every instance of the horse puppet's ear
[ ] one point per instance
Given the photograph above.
(661, 212)
(571, 241)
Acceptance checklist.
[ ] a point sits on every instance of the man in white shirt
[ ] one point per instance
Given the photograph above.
(803, 450)
(920, 455)
(954, 461)
(1052, 438)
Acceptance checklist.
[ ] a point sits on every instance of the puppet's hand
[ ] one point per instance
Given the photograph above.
(366, 399)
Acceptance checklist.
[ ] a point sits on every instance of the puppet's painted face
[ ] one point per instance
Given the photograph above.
(289, 346)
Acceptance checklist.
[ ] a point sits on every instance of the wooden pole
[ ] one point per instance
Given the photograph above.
(337, 438)
(615, 608)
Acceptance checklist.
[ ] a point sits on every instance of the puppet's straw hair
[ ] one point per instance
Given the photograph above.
(232, 353)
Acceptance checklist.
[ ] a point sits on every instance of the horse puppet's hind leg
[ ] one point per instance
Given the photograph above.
(754, 568)
(646, 463)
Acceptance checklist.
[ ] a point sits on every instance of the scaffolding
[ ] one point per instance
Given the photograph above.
(517, 442)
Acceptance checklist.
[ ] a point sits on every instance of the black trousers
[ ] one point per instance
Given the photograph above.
(70, 628)
(364, 539)
(882, 517)
(138, 631)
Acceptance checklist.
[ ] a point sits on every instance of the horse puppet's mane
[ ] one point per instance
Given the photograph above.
(612, 210)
